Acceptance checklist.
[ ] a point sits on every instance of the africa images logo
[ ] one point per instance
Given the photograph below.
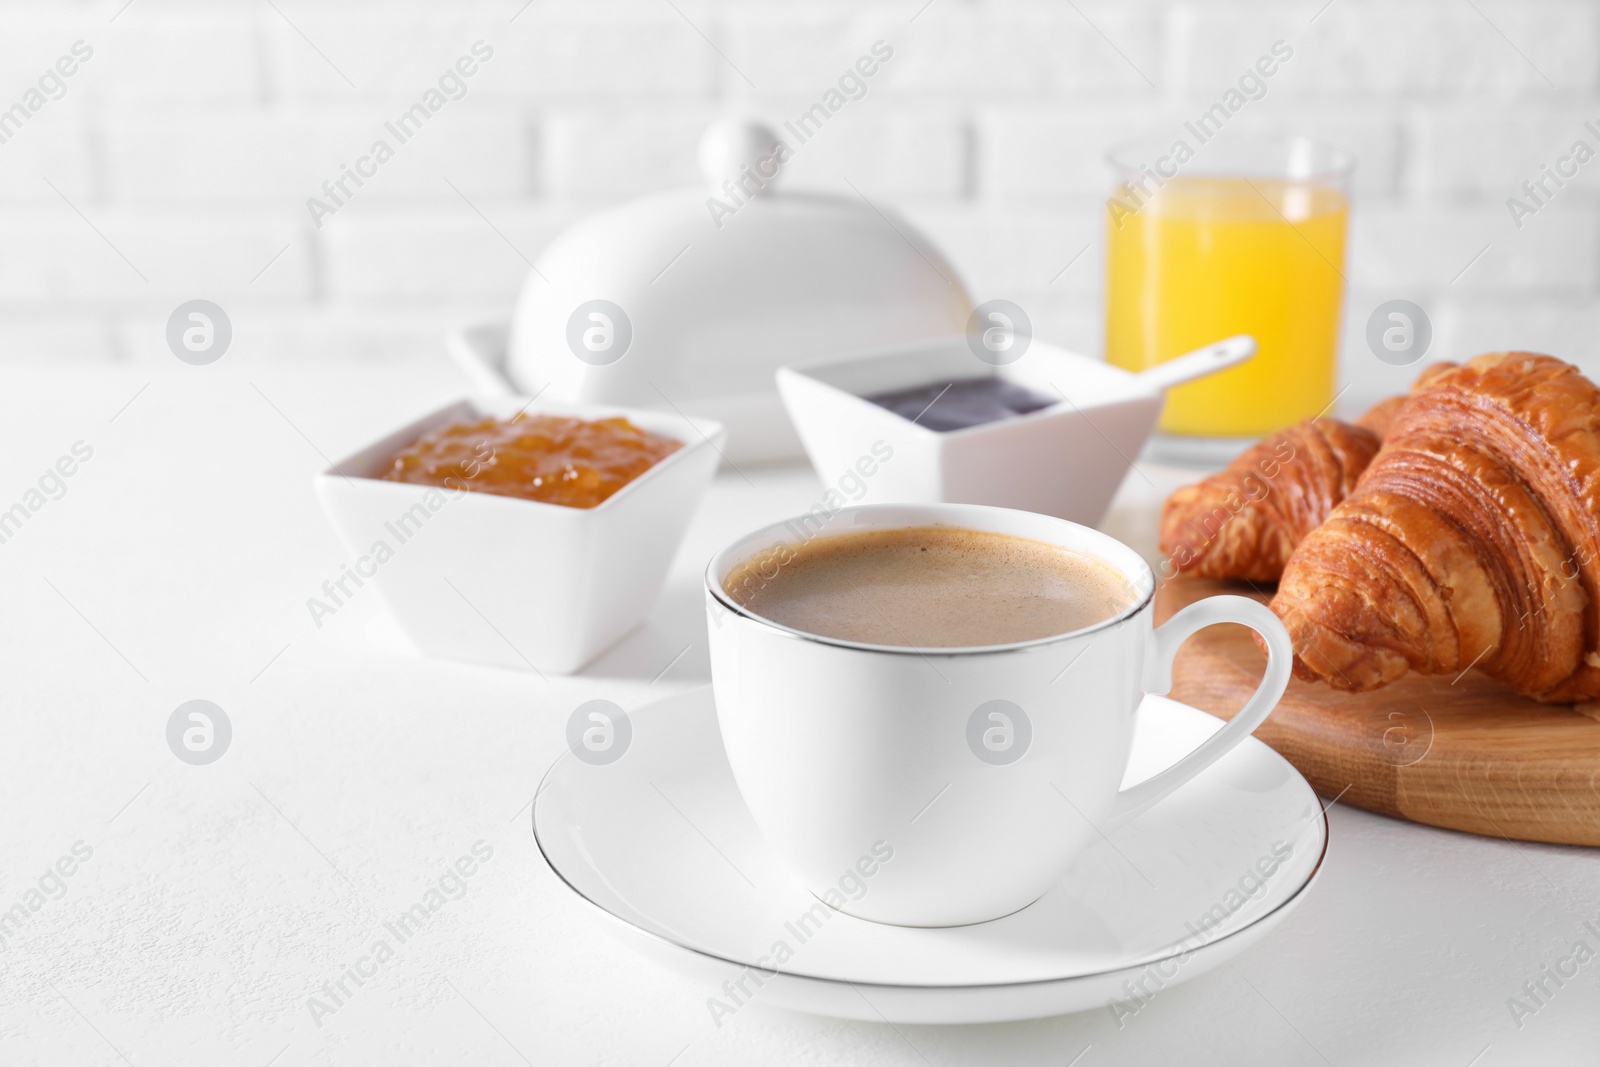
(451, 884)
(451, 85)
(851, 85)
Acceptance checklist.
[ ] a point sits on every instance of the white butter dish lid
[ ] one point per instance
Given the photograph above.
(690, 300)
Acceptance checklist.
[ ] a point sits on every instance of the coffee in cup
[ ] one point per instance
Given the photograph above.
(929, 587)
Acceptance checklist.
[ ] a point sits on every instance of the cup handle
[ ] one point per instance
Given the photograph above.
(1167, 639)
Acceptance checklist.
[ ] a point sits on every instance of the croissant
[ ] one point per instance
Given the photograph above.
(1379, 417)
(1473, 540)
(1244, 522)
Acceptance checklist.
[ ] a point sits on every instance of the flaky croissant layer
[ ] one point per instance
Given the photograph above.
(1472, 540)
(1244, 522)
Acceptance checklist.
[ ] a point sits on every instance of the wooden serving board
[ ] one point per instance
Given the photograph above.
(1468, 755)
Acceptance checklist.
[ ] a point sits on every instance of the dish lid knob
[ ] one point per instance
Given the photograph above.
(742, 151)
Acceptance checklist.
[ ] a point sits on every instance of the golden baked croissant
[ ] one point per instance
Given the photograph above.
(1473, 539)
(1243, 522)
(1381, 415)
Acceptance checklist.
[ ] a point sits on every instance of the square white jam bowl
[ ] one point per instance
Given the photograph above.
(1064, 460)
(517, 583)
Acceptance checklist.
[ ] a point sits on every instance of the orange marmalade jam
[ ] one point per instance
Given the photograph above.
(551, 458)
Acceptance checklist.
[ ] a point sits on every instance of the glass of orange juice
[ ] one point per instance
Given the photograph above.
(1232, 235)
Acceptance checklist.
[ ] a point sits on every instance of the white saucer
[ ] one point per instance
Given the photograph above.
(660, 843)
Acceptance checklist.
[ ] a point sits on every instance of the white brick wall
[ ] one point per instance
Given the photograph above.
(193, 136)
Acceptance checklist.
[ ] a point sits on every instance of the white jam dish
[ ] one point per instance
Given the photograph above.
(518, 583)
(1065, 460)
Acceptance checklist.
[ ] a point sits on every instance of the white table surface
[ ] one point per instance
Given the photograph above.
(218, 899)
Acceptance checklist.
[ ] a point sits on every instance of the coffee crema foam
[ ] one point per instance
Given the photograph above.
(929, 587)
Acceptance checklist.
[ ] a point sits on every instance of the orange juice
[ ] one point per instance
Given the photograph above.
(1206, 258)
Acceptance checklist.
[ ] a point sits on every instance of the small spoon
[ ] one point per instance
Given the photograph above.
(1219, 355)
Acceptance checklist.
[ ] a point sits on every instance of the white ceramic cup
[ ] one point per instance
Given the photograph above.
(981, 771)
